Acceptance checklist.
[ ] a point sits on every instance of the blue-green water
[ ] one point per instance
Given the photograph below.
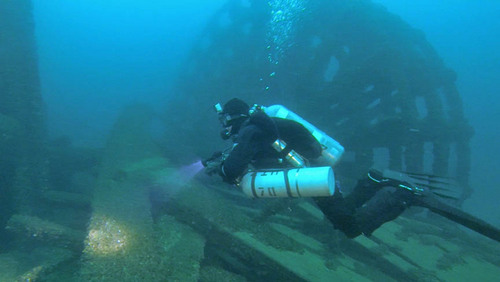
(463, 33)
(103, 197)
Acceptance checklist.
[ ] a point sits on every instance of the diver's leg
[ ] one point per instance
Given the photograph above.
(339, 213)
(386, 205)
(364, 190)
(366, 208)
(376, 199)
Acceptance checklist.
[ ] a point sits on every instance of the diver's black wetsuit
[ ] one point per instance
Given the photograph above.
(252, 145)
(364, 210)
(380, 197)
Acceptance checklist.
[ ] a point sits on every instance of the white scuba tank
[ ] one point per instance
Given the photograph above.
(332, 150)
(289, 183)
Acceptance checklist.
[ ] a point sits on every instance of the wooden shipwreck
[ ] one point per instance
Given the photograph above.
(133, 214)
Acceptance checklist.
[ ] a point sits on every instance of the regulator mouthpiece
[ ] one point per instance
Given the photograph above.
(225, 134)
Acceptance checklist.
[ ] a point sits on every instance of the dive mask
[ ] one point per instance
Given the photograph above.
(225, 119)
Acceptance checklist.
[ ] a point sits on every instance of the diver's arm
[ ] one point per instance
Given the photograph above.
(240, 157)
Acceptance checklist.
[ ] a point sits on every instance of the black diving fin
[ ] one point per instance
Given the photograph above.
(438, 185)
(458, 216)
(418, 184)
(427, 190)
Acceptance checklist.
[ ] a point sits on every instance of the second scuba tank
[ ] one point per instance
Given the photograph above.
(289, 183)
(332, 150)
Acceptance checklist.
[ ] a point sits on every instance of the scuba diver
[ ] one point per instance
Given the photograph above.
(275, 151)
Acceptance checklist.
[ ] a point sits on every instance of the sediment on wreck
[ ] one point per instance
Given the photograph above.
(123, 243)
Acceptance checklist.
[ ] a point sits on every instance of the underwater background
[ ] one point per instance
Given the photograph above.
(101, 71)
(111, 54)
(463, 34)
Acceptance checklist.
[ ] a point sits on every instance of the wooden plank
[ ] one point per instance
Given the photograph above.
(275, 249)
(299, 245)
(34, 228)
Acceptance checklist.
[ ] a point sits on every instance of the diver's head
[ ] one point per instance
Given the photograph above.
(232, 116)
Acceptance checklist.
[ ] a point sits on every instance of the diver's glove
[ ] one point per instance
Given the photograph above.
(213, 164)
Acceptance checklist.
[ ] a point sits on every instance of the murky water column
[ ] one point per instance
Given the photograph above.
(285, 16)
